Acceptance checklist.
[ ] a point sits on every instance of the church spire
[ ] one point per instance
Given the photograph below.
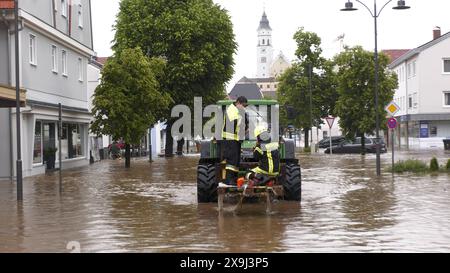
(264, 23)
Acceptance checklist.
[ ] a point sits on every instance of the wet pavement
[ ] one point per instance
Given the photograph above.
(153, 208)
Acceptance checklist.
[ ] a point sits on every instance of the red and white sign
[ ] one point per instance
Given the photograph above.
(330, 121)
(6, 4)
(392, 123)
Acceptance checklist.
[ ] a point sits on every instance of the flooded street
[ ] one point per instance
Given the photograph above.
(153, 208)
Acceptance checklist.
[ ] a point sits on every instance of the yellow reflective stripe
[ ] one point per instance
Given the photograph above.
(230, 136)
(271, 146)
(259, 150)
(232, 112)
(269, 158)
(232, 168)
(261, 171)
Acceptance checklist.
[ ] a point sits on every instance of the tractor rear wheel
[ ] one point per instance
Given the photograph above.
(293, 183)
(206, 183)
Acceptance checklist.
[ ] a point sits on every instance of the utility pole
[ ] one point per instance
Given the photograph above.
(19, 144)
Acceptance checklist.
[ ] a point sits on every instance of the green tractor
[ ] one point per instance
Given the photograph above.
(210, 170)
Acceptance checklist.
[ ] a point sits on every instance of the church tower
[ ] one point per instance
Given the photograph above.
(264, 48)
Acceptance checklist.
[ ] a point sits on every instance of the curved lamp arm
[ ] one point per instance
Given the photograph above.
(374, 13)
(383, 7)
(370, 11)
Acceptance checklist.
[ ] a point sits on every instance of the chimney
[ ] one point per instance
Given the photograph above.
(436, 33)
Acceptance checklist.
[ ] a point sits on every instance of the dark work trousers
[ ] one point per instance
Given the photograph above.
(231, 153)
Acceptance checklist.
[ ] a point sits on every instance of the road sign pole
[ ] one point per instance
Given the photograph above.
(331, 147)
(330, 121)
(392, 144)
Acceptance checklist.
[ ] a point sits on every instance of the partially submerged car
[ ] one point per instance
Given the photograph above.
(354, 147)
(335, 140)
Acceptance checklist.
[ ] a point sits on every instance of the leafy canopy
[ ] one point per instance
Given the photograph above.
(294, 87)
(195, 37)
(356, 80)
(128, 99)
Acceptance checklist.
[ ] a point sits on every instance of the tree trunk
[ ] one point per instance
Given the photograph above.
(169, 140)
(306, 137)
(180, 145)
(127, 156)
(363, 144)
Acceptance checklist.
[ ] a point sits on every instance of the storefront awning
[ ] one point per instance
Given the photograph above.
(8, 97)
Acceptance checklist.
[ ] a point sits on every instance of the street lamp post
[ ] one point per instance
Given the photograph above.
(375, 14)
(310, 104)
(19, 150)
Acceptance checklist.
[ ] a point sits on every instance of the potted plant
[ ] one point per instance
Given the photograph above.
(50, 157)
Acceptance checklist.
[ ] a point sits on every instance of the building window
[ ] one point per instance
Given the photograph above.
(64, 62)
(268, 86)
(80, 16)
(268, 42)
(263, 42)
(433, 131)
(447, 98)
(71, 141)
(63, 8)
(414, 69)
(37, 149)
(263, 59)
(410, 101)
(54, 59)
(261, 86)
(447, 66)
(80, 69)
(32, 49)
(409, 71)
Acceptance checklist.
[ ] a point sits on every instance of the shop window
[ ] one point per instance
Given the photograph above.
(71, 141)
(37, 149)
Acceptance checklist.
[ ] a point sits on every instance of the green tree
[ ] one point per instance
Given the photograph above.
(356, 103)
(294, 87)
(128, 99)
(196, 39)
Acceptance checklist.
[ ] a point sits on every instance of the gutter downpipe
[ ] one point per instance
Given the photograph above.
(11, 136)
(407, 105)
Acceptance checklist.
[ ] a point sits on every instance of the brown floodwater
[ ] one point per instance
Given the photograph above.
(153, 208)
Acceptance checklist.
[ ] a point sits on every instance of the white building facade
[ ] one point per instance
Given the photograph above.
(56, 46)
(424, 94)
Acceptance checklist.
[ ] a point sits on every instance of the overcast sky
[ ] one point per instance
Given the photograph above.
(398, 29)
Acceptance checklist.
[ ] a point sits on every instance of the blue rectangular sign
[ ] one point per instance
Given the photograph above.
(424, 130)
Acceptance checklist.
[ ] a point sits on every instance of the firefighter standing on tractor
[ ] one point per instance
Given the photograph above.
(231, 143)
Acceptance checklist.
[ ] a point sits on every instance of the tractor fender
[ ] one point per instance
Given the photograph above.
(289, 149)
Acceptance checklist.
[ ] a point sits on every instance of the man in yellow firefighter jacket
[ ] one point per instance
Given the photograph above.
(267, 154)
(231, 143)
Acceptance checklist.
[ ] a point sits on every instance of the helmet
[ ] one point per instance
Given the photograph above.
(260, 129)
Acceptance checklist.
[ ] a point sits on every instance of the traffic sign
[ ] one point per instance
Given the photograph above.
(392, 108)
(392, 123)
(330, 121)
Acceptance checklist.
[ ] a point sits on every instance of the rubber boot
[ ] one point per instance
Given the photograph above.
(231, 178)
